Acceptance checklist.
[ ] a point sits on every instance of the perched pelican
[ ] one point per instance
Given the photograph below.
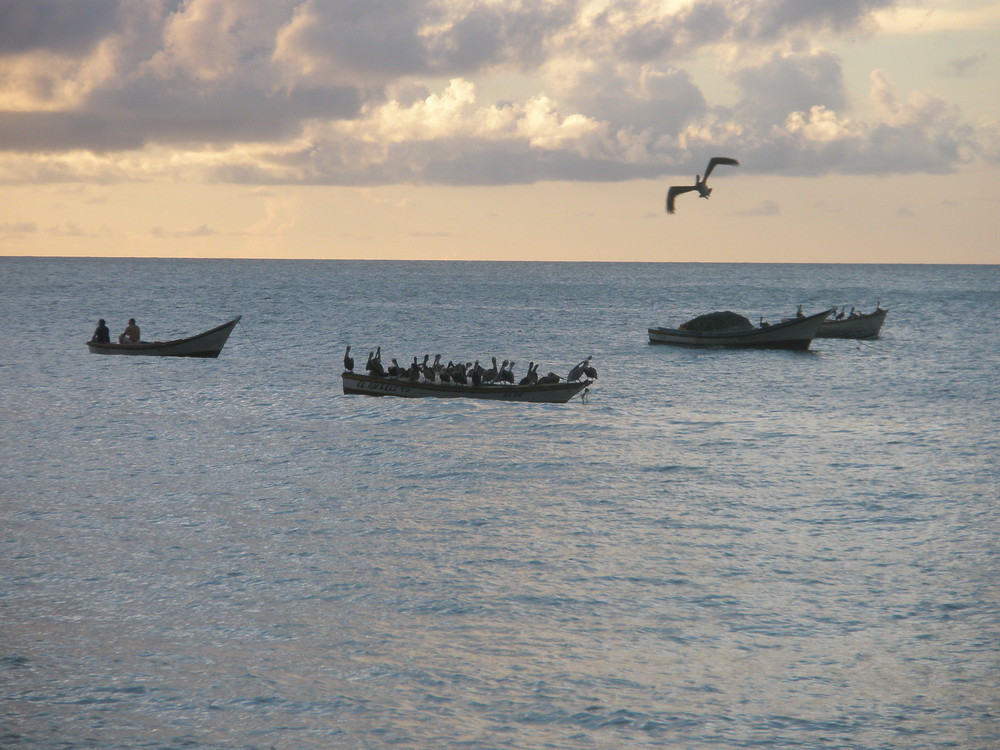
(532, 377)
(348, 360)
(701, 185)
(526, 379)
(374, 364)
(491, 374)
(579, 370)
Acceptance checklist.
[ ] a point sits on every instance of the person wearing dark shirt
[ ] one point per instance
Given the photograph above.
(101, 334)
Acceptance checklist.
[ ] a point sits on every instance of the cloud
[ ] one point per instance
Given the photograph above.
(825, 207)
(200, 231)
(56, 26)
(790, 82)
(767, 208)
(68, 229)
(18, 227)
(369, 92)
(964, 67)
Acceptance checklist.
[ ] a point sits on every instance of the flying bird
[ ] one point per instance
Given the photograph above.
(701, 185)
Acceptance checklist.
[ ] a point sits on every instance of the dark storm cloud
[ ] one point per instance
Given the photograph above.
(385, 38)
(757, 21)
(488, 36)
(364, 36)
(770, 20)
(790, 83)
(126, 120)
(662, 102)
(58, 26)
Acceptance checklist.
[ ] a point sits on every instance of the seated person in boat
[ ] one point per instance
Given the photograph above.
(101, 334)
(131, 333)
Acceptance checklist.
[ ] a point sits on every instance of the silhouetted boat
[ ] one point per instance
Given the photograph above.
(548, 393)
(208, 344)
(794, 334)
(864, 326)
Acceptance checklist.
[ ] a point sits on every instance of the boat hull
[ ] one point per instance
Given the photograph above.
(547, 393)
(207, 345)
(859, 327)
(795, 335)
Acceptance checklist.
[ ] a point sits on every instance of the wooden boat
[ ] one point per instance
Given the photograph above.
(795, 334)
(208, 344)
(864, 326)
(545, 393)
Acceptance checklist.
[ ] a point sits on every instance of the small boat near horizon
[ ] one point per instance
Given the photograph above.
(795, 334)
(543, 393)
(206, 345)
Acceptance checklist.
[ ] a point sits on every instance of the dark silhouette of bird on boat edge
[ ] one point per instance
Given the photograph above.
(700, 183)
(854, 313)
(465, 373)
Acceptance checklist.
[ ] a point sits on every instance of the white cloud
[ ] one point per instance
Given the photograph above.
(819, 125)
(200, 40)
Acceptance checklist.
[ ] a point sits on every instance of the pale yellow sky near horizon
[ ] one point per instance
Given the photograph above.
(927, 73)
(899, 219)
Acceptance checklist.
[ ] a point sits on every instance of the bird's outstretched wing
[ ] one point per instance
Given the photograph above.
(674, 192)
(719, 160)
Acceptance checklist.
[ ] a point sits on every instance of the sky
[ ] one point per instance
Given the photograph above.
(867, 131)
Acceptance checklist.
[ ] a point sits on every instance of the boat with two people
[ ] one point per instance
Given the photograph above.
(729, 329)
(205, 345)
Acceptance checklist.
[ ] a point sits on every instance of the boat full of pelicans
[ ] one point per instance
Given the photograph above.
(432, 378)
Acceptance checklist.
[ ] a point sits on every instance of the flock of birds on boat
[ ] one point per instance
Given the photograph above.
(469, 373)
(854, 313)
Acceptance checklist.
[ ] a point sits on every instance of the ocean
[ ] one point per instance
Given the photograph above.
(716, 549)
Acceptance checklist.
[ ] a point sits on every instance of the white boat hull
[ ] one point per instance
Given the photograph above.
(548, 393)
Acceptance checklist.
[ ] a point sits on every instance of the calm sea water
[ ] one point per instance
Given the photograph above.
(717, 549)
